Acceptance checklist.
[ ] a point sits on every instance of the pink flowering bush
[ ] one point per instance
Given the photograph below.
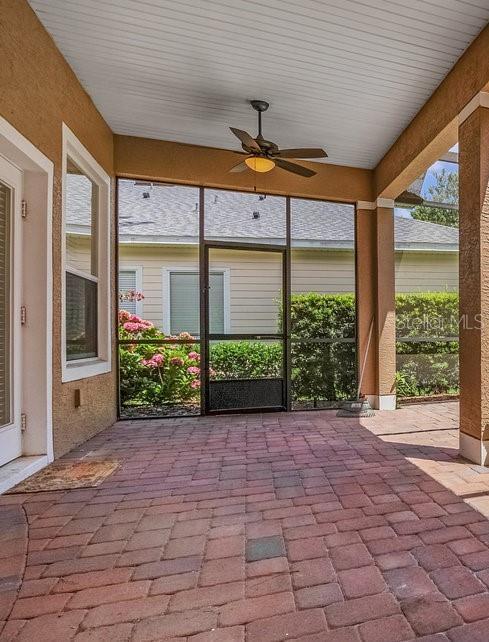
(152, 373)
(131, 295)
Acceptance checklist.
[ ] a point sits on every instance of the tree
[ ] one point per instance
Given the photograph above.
(445, 190)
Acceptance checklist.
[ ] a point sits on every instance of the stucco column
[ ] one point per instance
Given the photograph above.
(474, 284)
(376, 302)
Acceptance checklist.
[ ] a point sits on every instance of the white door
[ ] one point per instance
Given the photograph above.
(10, 302)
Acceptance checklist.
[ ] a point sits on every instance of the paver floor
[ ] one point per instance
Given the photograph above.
(257, 528)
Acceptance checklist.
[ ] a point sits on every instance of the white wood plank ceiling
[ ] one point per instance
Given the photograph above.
(347, 75)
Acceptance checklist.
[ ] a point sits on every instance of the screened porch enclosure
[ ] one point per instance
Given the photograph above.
(427, 308)
(232, 301)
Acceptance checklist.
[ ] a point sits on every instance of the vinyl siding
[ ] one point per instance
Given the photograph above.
(324, 271)
(254, 282)
(255, 277)
(426, 272)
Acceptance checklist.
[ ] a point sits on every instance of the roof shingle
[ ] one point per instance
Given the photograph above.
(169, 213)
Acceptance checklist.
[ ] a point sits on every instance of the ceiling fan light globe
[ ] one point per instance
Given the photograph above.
(260, 164)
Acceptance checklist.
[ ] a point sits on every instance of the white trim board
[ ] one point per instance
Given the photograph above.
(336, 246)
(37, 295)
(474, 449)
(479, 100)
(84, 368)
(383, 402)
(373, 205)
(19, 469)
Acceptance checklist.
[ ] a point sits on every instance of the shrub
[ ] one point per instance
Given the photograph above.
(152, 373)
(322, 368)
(427, 374)
(406, 385)
(427, 367)
(328, 370)
(323, 363)
(424, 316)
(246, 359)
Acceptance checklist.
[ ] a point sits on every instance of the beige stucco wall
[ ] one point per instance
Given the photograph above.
(39, 92)
(161, 160)
(474, 291)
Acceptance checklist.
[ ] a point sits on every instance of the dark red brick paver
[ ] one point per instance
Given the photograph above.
(255, 528)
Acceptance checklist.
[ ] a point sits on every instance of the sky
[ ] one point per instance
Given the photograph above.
(429, 180)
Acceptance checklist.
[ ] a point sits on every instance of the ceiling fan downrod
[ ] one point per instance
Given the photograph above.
(260, 106)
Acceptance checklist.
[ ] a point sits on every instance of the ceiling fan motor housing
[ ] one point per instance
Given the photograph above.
(259, 105)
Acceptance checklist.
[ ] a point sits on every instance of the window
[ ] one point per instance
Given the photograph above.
(182, 301)
(81, 317)
(130, 282)
(82, 206)
(86, 327)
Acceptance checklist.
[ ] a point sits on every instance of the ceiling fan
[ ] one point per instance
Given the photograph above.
(263, 155)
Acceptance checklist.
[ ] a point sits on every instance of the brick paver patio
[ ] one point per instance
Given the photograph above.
(258, 528)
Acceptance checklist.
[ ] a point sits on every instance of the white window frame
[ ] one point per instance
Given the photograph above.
(166, 293)
(138, 269)
(102, 363)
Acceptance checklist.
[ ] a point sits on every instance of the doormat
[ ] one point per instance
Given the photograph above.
(67, 475)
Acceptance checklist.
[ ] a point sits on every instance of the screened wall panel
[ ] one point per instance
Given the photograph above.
(243, 284)
(426, 283)
(323, 315)
(159, 292)
(245, 218)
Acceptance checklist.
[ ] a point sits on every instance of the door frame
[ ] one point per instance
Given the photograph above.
(11, 177)
(37, 295)
(206, 336)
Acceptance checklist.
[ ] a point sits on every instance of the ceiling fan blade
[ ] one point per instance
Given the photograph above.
(246, 139)
(304, 152)
(294, 168)
(240, 167)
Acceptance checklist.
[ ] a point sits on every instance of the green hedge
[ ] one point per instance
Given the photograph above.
(323, 353)
(427, 315)
(245, 359)
(323, 347)
(427, 367)
(323, 363)
(328, 370)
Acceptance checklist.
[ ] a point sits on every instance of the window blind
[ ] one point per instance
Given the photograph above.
(5, 276)
(184, 302)
(81, 317)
